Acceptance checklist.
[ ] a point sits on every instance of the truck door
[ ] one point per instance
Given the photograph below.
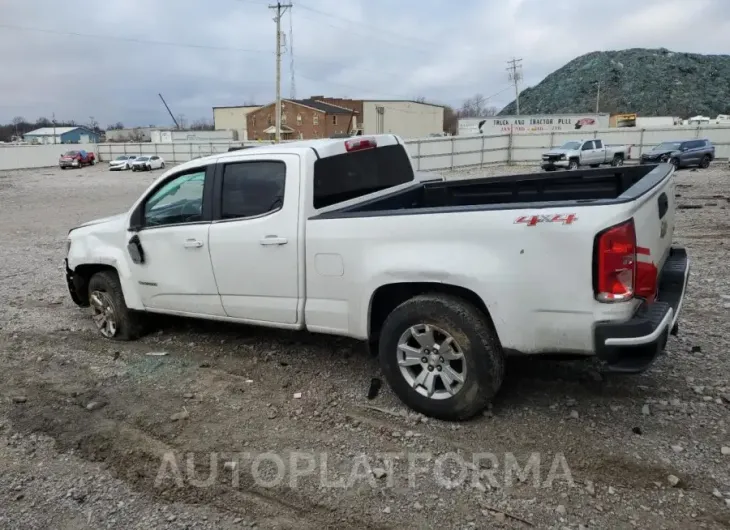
(176, 273)
(586, 153)
(254, 237)
(599, 152)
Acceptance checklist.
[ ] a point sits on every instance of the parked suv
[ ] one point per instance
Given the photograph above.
(682, 153)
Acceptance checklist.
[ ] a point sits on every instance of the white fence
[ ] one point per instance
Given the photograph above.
(29, 156)
(428, 153)
(464, 151)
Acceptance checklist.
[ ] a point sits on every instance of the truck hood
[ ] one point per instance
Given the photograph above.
(559, 151)
(111, 222)
(654, 154)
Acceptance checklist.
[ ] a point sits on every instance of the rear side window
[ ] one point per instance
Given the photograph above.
(348, 176)
(251, 189)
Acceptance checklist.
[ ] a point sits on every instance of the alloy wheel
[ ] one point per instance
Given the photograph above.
(431, 361)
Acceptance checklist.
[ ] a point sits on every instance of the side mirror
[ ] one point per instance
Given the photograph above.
(134, 247)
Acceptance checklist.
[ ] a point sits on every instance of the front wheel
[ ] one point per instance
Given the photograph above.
(573, 165)
(675, 162)
(162, 166)
(441, 357)
(109, 311)
(705, 163)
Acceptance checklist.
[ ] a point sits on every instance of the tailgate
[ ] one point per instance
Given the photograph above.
(654, 225)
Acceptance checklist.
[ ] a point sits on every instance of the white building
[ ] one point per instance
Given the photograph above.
(408, 119)
(233, 119)
(172, 136)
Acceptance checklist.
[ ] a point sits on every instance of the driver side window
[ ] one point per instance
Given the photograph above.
(178, 201)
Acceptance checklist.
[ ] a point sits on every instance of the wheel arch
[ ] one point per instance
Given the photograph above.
(389, 296)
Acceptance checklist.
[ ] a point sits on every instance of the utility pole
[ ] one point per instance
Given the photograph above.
(54, 127)
(598, 96)
(280, 10)
(515, 75)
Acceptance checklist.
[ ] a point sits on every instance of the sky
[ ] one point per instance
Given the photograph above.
(109, 59)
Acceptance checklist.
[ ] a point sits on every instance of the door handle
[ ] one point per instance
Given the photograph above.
(193, 243)
(273, 240)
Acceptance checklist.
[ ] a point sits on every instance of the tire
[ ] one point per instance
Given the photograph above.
(675, 162)
(617, 161)
(479, 358)
(573, 164)
(162, 166)
(705, 162)
(109, 312)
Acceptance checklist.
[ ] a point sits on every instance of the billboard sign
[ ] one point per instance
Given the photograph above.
(532, 124)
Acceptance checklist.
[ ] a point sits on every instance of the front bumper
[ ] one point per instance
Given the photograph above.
(633, 345)
(77, 287)
(553, 164)
(67, 163)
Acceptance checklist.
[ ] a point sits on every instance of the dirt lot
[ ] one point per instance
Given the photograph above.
(95, 434)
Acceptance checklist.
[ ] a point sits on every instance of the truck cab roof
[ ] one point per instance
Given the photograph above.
(322, 148)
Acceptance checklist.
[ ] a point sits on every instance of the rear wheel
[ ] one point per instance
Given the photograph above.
(705, 162)
(617, 160)
(441, 357)
(109, 312)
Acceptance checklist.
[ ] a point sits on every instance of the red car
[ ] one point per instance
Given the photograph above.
(76, 159)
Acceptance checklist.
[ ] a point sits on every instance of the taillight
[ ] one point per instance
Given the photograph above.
(616, 263)
(358, 144)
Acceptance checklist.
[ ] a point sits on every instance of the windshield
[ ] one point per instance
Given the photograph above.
(121, 157)
(668, 146)
(71, 153)
(570, 145)
(143, 158)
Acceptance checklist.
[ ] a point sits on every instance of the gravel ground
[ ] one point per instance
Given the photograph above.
(95, 434)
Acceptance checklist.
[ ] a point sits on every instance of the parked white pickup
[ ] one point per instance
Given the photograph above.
(444, 279)
(592, 153)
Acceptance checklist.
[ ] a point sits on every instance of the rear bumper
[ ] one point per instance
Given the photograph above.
(632, 346)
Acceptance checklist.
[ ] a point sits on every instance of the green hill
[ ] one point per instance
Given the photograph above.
(649, 82)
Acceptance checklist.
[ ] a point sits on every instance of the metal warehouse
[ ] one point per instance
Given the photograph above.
(62, 135)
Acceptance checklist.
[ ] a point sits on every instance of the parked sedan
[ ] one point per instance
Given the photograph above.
(148, 163)
(122, 163)
(682, 154)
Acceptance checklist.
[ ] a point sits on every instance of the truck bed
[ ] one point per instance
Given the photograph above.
(589, 186)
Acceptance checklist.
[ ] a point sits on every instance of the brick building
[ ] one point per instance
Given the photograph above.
(301, 119)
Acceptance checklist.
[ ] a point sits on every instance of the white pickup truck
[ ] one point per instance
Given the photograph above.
(443, 278)
(591, 153)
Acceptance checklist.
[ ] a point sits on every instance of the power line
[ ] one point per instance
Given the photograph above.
(398, 36)
(135, 40)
